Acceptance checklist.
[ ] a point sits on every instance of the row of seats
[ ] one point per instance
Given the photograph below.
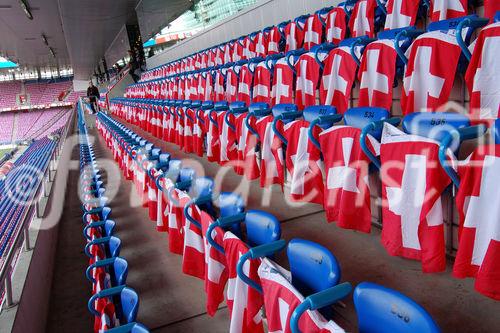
(20, 187)
(271, 143)
(352, 18)
(113, 303)
(327, 73)
(221, 241)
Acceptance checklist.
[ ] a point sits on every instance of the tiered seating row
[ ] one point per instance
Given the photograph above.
(207, 230)
(113, 303)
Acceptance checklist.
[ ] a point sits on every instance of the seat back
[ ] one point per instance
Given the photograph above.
(202, 186)
(496, 129)
(174, 168)
(207, 105)
(120, 269)
(360, 117)
(109, 227)
(229, 204)
(313, 112)
(280, 109)
(313, 267)
(186, 174)
(114, 246)
(380, 309)
(433, 125)
(163, 160)
(105, 213)
(129, 301)
(262, 227)
(259, 108)
(221, 106)
(238, 107)
(449, 26)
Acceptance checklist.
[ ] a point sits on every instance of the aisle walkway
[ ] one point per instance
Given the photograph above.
(174, 302)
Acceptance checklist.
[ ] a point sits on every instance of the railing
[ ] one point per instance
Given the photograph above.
(22, 233)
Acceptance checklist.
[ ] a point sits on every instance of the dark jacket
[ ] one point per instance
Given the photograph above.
(93, 92)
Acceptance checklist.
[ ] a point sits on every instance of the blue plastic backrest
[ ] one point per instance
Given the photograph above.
(360, 117)
(230, 204)
(155, 153)
(207, 105)
(262, 227)
(120, 268)
(115, 245)
(391, 34)
(311, 113)
(195, 104)
(105, 213)
(186, 103)
(221, 106)
(179, 102)
(280, 109)
(258, 106)
(447, 26)
(109, 227)
(380, 309)
(497, 17)
(186, 174)
(163, 159)
(313, 267)
(238, 106)
(130, 304)
(143, 142)
(496, 128)
(433, 125)
(203, 186)
(174, 167)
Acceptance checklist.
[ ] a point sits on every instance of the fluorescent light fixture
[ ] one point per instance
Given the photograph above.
(26, 9)
(44, 39)
(52, 52)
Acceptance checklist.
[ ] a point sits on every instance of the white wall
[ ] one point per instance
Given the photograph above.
(257, 17)
(80, 85)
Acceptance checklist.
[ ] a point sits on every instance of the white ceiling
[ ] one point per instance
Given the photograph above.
(79, 31)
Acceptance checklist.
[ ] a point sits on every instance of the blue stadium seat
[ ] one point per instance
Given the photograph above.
(129, 328)
(117, 267)
(126, 302)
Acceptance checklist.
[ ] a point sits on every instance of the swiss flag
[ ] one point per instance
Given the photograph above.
(193, 258)
(482, 74)
(175, 217)
(228, 138)
(313, 32)
(243, 301)
(248, 48)
(245, 84)
(213, 138)
(216, 273)
(412, 184)
(219, 92)
(232, 83)
(271, 156)
(347, 192)
(447, 9)
(430, 72)
(107, 319)
(363, 18)
(307, 79)
(189, 115)
(376, 74)
(238, 50)
(273, 41)
(228, 51)
(294, 36)
(281, 299)
(200, 129)
(262, 84)
(261, 44)
(336, 25)
(303, 162)
(401, 13)
(247, 150)
(162, 201)
(478, 203)
(338, 78)
(282, 90)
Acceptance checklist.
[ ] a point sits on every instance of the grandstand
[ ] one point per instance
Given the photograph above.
(290, 166)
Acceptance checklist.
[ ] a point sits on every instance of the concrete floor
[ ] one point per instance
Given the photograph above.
(174, 302)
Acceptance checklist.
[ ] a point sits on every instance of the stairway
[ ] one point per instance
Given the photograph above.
(15, 127)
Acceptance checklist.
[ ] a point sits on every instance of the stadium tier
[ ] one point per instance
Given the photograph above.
(302, 166)
(9, 92)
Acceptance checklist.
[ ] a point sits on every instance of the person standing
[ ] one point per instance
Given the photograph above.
(93, 95)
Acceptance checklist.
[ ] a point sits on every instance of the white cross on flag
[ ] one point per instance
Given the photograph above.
(245, 84)
(401, 13)
(430, 72)
(347, 194)
(175, 216)
(228, 52)
(363, 18)
(307, 80)
(271, 152)
(482, 74)
(338, 77)
(313, 32)
(193, 258)
(336, 25)
(281, 299)
(447, 9)
(282, 90)
(232, 84)
(213, 137)
(294, 36)
(248, 48)
(412, 184)
(303, 163)
(262, 84)
(261, 44)
(237, 50)
(478, 203)
(376, 74)
(244, 302)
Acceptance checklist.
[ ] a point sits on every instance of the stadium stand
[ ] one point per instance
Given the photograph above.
(10, 90)
(46, 93)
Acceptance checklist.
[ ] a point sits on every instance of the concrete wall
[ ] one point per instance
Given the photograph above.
(257, 17)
